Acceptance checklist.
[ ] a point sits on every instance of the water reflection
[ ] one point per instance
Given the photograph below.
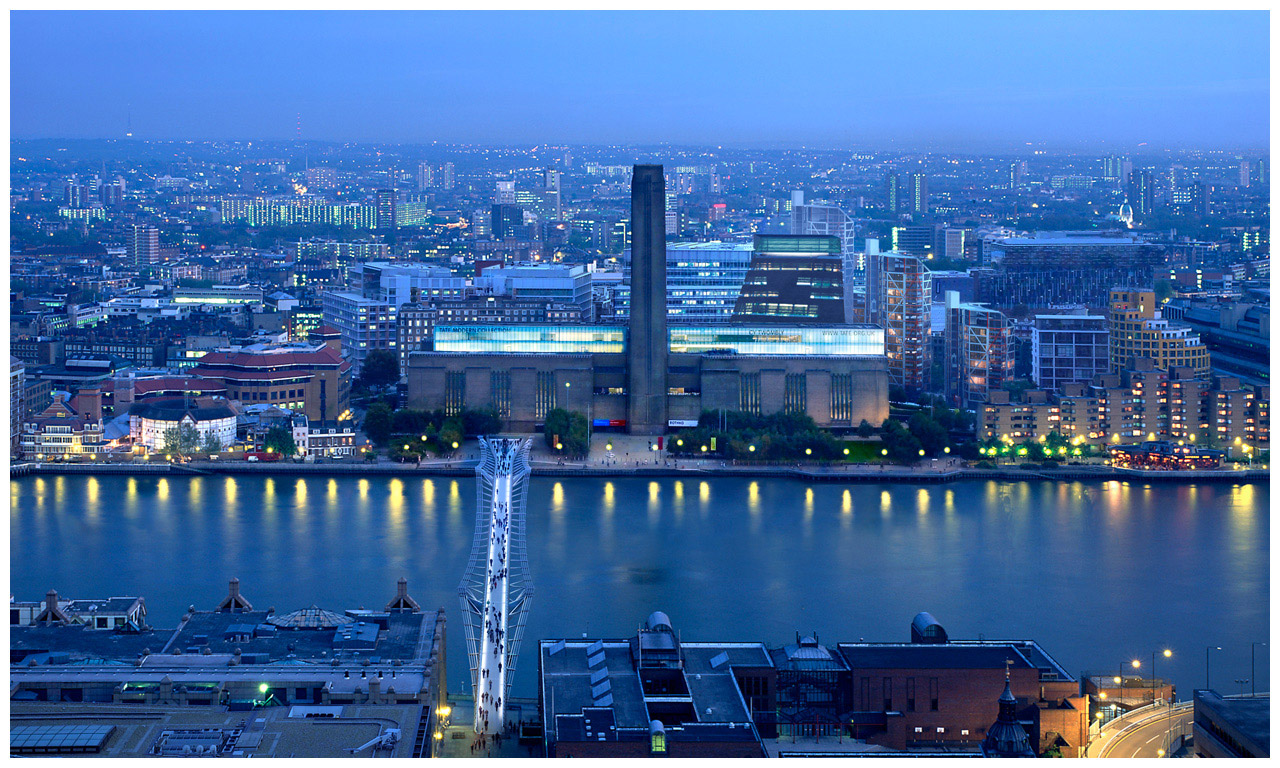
(944, 551)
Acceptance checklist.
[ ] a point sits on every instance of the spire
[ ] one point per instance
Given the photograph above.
(1006, 737)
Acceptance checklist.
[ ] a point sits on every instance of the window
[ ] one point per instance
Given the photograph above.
(933, 694)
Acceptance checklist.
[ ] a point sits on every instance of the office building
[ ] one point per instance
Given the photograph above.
(919, 194)
(363, 325)
(309, 377)
(979, 351)
(1068, 348)
(219, 295)
(795, 279)
(1138, 330)
(554, 283)
(397, 284)
(143, 245)
(1054, 270)
(426, 177)
(925, 241)
(504, 193)
(900, 300)
(704, 281)
(507, 221)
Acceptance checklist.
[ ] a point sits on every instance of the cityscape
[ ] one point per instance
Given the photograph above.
(614, 416)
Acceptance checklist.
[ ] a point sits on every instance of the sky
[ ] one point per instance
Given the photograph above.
(874, 80)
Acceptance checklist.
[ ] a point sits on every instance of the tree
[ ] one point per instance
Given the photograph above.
(865, 429)
(377, 423)
(481, 422)
(932, 437)
(381, 368)
(570, 428)
(182, 439)
(211, 443)
(280, 440)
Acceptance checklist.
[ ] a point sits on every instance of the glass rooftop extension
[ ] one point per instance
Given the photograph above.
(843, 340)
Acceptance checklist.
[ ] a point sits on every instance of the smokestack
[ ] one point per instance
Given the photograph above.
(647, 342)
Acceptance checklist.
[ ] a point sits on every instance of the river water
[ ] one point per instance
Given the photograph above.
(1098, 572)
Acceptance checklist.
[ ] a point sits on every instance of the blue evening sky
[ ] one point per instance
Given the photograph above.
(839, 79)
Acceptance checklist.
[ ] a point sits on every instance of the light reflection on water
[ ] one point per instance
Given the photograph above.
(1091, 570)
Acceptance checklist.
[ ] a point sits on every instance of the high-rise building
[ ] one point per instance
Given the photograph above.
(506, 220)
(979, 351)
(1068, 348)
(900, 300)
(504, 193)
(1058, 269)
(386, 207)
(1260, 171)
(1017, 170)
(143, 245)
(1142, 191)
(17, 381)
(1139, 331)
(1244, 173)
(551, 195)
(447, 179)
(816, 219)
(399, 284)
(919, 194)
(426, 176)
(893, 192)
(647, 347)
(925, 241)
(704, 281)
(795, 280)
(1113, 168)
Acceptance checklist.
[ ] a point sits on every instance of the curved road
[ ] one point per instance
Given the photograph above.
(1149, 735)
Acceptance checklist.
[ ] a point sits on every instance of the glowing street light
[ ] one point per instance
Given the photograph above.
(263, 688)
(808, 451)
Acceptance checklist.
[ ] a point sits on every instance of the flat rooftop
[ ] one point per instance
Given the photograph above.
(268, 732)
(1251, 716)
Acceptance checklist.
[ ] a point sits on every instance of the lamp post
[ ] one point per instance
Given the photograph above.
(1206, 662)
(1253, 668)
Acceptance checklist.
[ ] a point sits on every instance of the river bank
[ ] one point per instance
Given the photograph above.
(813, 473)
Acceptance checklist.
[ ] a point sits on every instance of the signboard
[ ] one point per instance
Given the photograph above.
(682, 422)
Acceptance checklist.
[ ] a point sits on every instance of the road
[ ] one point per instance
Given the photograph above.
(1145, 736)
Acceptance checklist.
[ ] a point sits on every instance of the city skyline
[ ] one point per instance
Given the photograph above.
(1046, 80)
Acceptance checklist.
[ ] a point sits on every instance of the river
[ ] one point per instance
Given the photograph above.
(1097, 572)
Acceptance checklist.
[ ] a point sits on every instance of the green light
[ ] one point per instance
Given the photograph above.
(263, 688)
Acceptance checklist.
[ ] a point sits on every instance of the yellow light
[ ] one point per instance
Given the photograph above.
(559, 446)
(1097, 715)
(884, 451)
(1102, 695)
(808, 451)
(608, 446)
(1116, 679)
(752, 448)
(946, 449)
(423, 438)
(1167, 653)
(704, 449)
(921, 451)
(1136, 663)
(438, 735)
(455, 445)
(1159, 753)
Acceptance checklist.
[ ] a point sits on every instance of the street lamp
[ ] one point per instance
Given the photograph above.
(1253, 669)
(1206, 663)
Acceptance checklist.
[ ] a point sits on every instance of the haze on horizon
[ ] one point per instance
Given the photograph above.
(875, 80)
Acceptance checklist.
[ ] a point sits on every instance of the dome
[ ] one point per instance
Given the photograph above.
(658, 620)
(313, 617)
